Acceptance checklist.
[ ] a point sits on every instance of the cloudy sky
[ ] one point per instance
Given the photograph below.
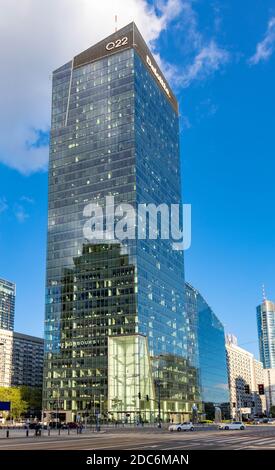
(219, 58)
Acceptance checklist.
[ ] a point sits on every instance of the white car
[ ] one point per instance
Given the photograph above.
(186, 426)
(232, 426)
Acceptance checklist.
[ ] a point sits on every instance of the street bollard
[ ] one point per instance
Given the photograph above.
(59, 431)
(49, 432)
(27, 433)
(8, 433)
(68, 431)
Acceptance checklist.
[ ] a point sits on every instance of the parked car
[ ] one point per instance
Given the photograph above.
(186, 426)
(232, 426)
(70, 425)
(268, 421)
(32, 425)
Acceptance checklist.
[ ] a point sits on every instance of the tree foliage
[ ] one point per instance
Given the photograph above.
(23, 399)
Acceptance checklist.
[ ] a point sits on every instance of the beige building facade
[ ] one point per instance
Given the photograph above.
(246, 380)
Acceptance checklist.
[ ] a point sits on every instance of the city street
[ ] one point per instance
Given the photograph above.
(257, 437)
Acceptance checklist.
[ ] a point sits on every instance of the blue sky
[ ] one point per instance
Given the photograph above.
(220, 58)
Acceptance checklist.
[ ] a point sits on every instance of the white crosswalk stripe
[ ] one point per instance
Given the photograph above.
(261, 442)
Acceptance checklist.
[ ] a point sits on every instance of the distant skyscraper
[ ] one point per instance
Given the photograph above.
(7, 304)
(116, 331)
(266, 333)
(207, 344)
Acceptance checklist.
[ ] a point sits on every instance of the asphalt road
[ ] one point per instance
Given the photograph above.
(258, 437)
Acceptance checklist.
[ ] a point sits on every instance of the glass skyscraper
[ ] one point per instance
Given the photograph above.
(7, 304)
(116, 331)
(266, 333)
(208, 346)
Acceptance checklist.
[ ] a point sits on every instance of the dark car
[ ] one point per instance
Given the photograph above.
(71, 425)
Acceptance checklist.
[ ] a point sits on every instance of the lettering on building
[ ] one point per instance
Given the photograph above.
(157, 75)
(116, 44)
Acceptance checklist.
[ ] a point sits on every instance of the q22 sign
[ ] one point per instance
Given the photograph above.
(116, 44)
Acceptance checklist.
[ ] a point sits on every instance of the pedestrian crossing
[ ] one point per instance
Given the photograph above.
(216, 441)
(208, 439)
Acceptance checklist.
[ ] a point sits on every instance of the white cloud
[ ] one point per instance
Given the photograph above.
(204, 57)
(38, 36)
(20, 213)
(266, 47)
(3, 205)
(208, 60)
(27, 199)
(18, 208)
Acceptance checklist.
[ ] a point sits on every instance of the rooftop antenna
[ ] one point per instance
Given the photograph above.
(264, 294)
(115, 23)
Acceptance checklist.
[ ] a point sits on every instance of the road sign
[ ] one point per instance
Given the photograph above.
(5, 405)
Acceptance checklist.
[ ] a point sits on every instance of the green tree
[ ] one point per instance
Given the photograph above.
(33, 397)
(14, 395)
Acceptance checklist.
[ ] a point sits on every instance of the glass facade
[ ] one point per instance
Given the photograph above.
(114, 133)
(7, 304)
(210, 352)
(266, 333)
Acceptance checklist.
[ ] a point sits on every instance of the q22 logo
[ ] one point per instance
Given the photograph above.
(116, 44)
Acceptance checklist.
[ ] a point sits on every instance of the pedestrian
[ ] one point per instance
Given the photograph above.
(38, 429)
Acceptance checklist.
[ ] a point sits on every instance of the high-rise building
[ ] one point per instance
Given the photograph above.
(7, 304)
(6, 344)
(21, 359)
(207, 343)
(266, 333)
(246, 381)
(115, 327)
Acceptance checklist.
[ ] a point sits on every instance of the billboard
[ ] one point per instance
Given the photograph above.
(245, 411)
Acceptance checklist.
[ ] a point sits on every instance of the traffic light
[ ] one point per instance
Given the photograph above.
(147, 397)
(139, 395)
(261, 389)
(246, 389)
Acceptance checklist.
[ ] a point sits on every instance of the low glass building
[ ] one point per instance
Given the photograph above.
(210, 353)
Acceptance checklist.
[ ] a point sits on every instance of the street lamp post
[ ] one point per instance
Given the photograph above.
(56, 416)
(158, 385)
(159, 395)
(56, 406)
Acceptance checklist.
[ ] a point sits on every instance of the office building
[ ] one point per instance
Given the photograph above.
(6, 342)
(246, 381)
(115, 327)
(266, 333)
(7, 304)
(269, 388)
(21, 359)
(207, 343)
